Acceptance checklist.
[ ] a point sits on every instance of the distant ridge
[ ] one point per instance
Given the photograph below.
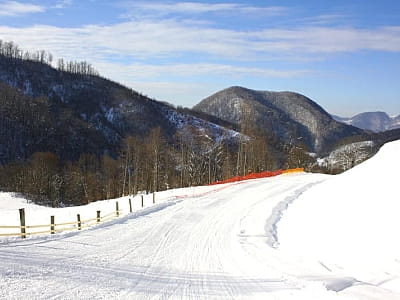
(287, 115)
(375, 121)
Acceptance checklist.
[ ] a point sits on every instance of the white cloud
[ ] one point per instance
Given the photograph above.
(151, 53)
(62, 4)
(330, 40)
(325, 19)
(172, 39)
(14, 8)
(159, 8)
(150, 71)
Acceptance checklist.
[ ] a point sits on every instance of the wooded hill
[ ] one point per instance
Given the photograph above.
(69, 136)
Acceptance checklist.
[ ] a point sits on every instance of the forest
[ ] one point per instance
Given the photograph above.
(143, 165)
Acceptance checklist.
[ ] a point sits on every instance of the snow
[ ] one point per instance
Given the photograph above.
(347, 155)
(350, 223)
(208, 130)
(39, 215)
(110, 115)
(294, 236)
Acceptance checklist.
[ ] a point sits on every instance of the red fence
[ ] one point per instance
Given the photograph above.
(259, 175)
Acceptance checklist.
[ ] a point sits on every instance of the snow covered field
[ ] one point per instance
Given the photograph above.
(297, 236)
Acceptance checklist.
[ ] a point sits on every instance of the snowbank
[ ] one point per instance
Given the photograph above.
(350, 222)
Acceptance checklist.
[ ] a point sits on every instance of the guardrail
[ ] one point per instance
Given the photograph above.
(53, 227)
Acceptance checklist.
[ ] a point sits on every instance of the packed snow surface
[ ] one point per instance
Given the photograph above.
(351, 222)
(294, 236)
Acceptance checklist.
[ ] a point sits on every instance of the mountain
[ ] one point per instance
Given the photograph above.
(289, 117)
(72, 113)
(69, 136)
(374, 121)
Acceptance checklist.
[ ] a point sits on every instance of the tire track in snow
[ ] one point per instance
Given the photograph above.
(271, 226)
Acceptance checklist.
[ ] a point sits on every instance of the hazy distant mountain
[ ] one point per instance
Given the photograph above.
(374, 121)
(289, 116)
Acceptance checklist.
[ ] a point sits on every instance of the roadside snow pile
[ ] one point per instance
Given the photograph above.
(351, 222)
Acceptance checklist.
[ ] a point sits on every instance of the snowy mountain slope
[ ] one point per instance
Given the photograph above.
(374, 121)
(350, 223)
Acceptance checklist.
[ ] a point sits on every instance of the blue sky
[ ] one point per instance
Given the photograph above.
(343, 54)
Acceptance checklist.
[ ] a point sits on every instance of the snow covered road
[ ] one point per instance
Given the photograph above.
(209, 247)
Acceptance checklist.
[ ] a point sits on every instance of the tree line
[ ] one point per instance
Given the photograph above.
(12, 50)
(144, 164)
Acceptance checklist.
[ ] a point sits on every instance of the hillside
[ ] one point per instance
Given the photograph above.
(97, 111)
(69, 136)
(374, 121)
(288, 116)
(31, 125)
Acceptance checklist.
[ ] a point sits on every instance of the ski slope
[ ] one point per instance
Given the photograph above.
(216, 242)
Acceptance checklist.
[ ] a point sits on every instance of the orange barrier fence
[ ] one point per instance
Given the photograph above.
(297, 170)
(259, 175)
